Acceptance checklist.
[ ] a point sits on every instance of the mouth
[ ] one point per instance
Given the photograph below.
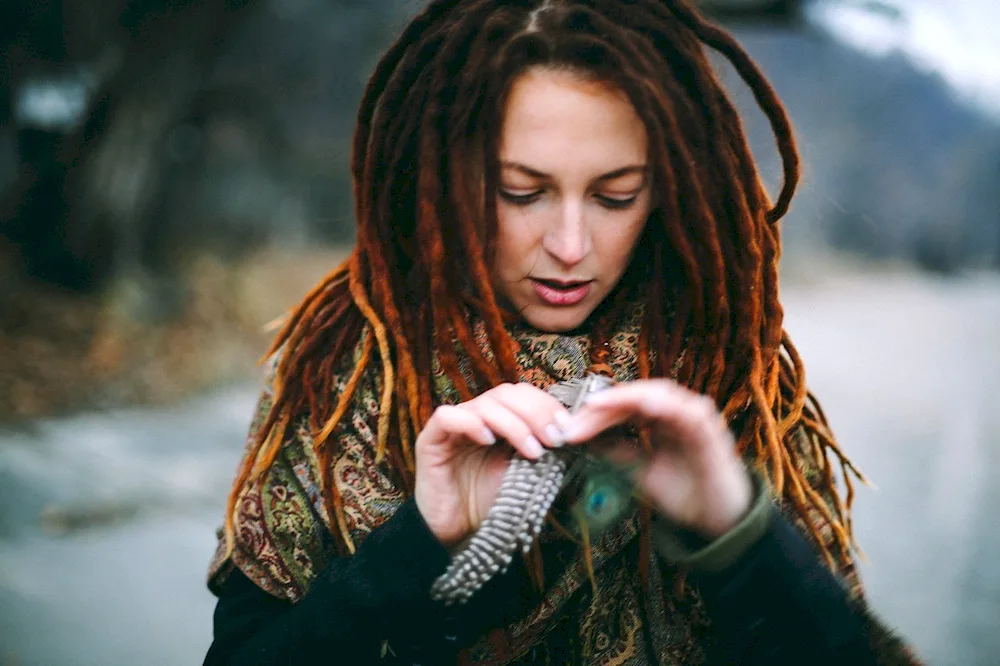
(562, 284)
(561, 292)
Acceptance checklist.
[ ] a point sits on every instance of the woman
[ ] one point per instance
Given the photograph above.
(544, 189)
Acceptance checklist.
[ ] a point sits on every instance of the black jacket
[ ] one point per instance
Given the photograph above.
(776, 604)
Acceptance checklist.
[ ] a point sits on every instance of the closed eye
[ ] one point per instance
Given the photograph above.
(616, 203)
(520, 199)
(527, 198)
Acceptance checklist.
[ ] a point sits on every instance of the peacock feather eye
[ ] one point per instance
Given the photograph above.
(597, 502)
(604, 498)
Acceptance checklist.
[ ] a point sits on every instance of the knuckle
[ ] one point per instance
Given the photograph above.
(706, 409)
(665, 386)
(444, 411)
(703, 408)
(519, 390)
(452, 415)
(706, 404)
(486, 399)
(658, 401)
(498, 392)
(442, 416)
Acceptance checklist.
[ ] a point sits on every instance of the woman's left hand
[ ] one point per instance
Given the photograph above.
(694, 476)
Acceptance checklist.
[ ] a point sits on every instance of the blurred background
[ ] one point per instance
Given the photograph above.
(173, 176)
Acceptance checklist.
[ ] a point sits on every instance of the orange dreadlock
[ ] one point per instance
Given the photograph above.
(424, 154)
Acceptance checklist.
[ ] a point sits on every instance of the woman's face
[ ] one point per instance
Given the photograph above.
(573, 196)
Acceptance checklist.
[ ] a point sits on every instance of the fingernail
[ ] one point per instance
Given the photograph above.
(555, 435)
(563, 419)
(569, 434)
(489, 436)
(533, 446)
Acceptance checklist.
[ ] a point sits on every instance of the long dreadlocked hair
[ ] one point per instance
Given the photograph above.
(425, 169)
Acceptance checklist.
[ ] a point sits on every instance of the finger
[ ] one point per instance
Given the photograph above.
(541, 411)
(679, 411)
(616, 448)
(602, 411)
(506, 424)
(681, 416)
(450, 420)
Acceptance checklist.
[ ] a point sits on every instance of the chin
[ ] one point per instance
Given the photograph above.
(556, 320)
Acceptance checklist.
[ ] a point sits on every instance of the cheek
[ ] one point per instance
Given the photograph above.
(617, 239)
(517, 238)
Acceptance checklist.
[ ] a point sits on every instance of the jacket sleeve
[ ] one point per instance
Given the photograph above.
(359, 606)
(779, 604)
(771, 600)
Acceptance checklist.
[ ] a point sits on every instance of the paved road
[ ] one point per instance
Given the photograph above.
(909, 371)
(106, 520)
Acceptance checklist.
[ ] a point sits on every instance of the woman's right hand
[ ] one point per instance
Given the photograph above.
(460, 463)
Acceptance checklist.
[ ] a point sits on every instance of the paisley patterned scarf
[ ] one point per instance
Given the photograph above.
(607, 611)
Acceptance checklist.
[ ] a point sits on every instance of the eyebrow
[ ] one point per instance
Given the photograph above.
(611, 175)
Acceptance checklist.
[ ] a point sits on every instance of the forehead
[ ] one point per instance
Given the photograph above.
(556, 121)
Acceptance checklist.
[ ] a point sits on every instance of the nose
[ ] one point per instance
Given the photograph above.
(568, 240)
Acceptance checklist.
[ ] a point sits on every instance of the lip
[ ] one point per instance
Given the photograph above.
(561, 293)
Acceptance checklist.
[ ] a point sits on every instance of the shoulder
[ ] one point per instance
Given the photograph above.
(283, 531)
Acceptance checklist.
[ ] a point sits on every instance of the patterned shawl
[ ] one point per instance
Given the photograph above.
(281, 534)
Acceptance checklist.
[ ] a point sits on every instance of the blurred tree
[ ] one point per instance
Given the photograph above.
(894, 164)
(148, 127)
(94, 90)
